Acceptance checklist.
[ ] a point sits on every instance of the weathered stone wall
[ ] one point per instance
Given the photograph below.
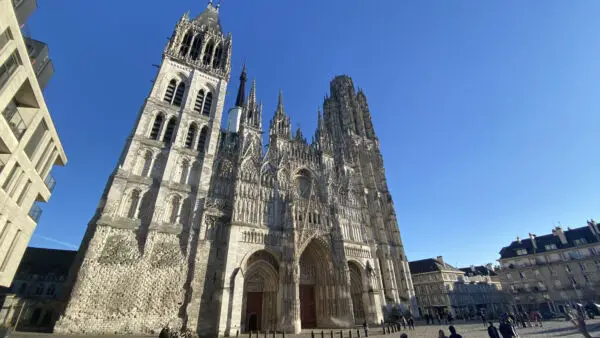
(121, 289)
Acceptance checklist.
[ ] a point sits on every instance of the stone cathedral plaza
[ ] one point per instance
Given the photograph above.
(215, 223)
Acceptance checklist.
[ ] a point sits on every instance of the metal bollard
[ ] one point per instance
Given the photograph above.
(322, 336)
(237, 333)
(249, 334)
(273, 334)
(256, 334)
(358, 333)
(341, 334)
(331, 334)
(312, 334)
(283, 333)
(350, 333)
(265, 334)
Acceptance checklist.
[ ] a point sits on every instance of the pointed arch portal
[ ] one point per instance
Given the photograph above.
(316, 277)
(261, 283)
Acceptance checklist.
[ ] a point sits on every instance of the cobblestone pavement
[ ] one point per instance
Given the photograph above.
(556, 328)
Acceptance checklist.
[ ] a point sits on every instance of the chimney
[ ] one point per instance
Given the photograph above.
(558, 231)
(489, 266)
(472, 267)
(440, 259)
(518, 239)
(532, 237)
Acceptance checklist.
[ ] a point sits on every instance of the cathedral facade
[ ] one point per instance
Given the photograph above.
(205, 228)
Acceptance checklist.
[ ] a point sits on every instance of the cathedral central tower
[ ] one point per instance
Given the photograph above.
(200, 228)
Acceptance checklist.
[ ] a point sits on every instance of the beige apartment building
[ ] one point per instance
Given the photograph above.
(547, 272)
(441, 288)
(29, 144)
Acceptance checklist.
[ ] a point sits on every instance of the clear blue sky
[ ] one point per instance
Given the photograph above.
(487, 112)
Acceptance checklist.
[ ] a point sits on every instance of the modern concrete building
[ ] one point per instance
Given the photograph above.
(548, 272)
(29, 144)
(34, 297)
(441, 288)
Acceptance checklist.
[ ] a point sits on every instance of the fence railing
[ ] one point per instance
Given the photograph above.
(14, 119)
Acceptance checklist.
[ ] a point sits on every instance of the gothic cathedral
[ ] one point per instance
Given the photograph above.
(202, 227)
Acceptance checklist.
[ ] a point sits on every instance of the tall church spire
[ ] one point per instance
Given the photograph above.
(239, 102)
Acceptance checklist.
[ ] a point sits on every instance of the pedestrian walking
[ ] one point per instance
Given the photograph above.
(439, 318)
(493, 331)
(441, 334)
(507, 330)
(411, 322)
(453, 333)
(403, 322)
(450, 318)
(483, 320)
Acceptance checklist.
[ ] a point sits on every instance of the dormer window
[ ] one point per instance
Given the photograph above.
(580, 241)
(549, 247)
(521, 252)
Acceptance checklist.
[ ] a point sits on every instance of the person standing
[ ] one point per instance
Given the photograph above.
(441, 334)
(492, 331)
(453, 333)
(507, 330)
(439, 318)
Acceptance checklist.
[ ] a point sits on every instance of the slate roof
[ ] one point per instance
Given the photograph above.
(429, 265)
(541, 241)
(480, 270)
(42, 261)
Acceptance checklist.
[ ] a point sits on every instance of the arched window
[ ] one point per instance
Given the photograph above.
(175, 201)
(169, 130)
(185, 44)
(199, 101)
(208, 53)
(134, 200)
(207, 104)
(170, 91)
(158, 121)
(189, 140)
(185, 168)
(179, 94)
(196, 48)
(217, 58)
(202, 140)
(147, 164)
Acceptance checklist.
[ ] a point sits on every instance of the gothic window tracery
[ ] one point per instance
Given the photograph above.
(155, 131)
(196, 47)
(189, 140)
(174, 209)
(208, 51)
(147, 164)
(185, 168)
(170, 91)
(134, 200)
(185, 44)
(199, 101)
(179, 94)
(217, 57)
(169, 130)
(202, 139)
(207, 104)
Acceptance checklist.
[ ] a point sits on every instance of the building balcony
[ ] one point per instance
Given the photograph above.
(40, 61)
(23, 9)
(35, 212)
(50, 182)
(15, 120)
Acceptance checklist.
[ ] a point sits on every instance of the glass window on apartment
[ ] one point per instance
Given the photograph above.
(582, 266)
(537, 272)
(522, 275)
(587, 279)
(552, 271)
(567, 268)
(508, 276)
(549, 247)
(580, 241)
(597, 262)
(521, 252)
(35, 139)
(9, 67)
(5, 37)
(557, 283)
(572, 280)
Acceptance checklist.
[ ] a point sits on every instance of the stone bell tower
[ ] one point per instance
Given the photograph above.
(135, 264)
